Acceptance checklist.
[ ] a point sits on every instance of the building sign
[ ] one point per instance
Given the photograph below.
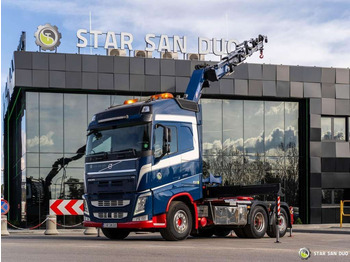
(160, 43)
(47, 37)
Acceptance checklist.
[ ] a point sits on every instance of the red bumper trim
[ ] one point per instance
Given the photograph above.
(156, 222)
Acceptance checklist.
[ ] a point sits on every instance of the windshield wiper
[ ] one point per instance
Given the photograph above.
(129, 150)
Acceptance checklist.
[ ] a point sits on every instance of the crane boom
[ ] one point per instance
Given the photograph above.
(205, 73)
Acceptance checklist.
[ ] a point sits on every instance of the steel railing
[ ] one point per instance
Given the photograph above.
(342, 211)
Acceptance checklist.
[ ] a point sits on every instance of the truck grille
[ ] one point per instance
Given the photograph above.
(109, 215)
(110, 203)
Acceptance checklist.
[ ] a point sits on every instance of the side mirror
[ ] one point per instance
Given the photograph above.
(166, 139)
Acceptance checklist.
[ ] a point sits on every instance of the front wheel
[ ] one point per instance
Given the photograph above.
(179, 222)
(115, 233)
(258, 223)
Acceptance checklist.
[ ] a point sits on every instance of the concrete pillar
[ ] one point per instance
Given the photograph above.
(90, 231)
(4, 231)
(51, 227)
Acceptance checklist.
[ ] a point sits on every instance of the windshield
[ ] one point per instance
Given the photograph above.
(131, 139)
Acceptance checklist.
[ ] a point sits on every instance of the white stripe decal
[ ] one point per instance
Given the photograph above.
(109, 172)
(112, 161)
(155, 188)
(178, 159)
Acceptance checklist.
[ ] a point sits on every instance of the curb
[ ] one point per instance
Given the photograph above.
(317, 231)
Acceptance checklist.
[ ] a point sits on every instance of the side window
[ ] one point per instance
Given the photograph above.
(158, 141)
(186, 140)
(173, 143)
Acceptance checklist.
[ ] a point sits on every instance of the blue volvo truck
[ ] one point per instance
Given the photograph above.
(144, 169)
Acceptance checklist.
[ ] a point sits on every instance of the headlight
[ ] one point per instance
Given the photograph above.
(141, 203)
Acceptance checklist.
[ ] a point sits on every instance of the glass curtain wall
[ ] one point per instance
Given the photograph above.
(252, 142)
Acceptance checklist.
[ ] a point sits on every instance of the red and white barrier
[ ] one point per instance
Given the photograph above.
(71, 207)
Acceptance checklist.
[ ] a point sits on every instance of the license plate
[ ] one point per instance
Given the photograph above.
(110, 225)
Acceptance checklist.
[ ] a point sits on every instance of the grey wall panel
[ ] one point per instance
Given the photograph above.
(342, 107)
(105, 64)
(137, 66)
(315, 134)
(226, 86)
(328, 149)
(312, 74)
(283, 73)
(57, 79)
(40, 78)
(283, 89)
(315, 215)
(152, 83)
(73, 62)
(296, 73)
(40, 61)
(90, 80)
(105, 81)
(342, 76)
(137, 82)
(255, 88)
(23, 60)
(57, 62)
(241, 72)
(296, 89)
(335, 180)
(315, 121)
(89, 63)
(342, 91)
(315, 149)
(269, 88)
(315, 106)
(183, 68)
(181, 84)
(315, 180)
(342, 150)
(241, 87)
(328, 75)
(121, 82)
(315, 164)
(73, 80)
(167, 83)
(315, 197)
(152, 66)
(255, 71)
(121, 65)
(328, 90)
(328, 164)
(328, 106)
(312, 90)
(167, 67)
(269, 72)
(23, 77)
(213, 89)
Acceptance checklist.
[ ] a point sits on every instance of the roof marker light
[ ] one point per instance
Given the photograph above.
(130, 101)
(162, 96)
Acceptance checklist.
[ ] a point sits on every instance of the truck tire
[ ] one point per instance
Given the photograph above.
(240, 232)
(271, 230)
(178, 222)
(115, 233)
(222, 232)
(258, 223)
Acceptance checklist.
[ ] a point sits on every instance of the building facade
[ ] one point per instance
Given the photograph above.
(262, 124)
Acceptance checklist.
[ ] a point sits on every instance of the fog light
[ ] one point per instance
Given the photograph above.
(140, 218)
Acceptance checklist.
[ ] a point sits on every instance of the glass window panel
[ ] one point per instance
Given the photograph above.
(97, 103)
(212, 164)
(32, 117)
(326, 196)
(339, 128)
(212, 126)
(253, 127)
(291, 138)
(274, 128)
(51, 122)
(56, 186)
(75, 163)
(75, 122)
(338, 195)
(32, 159)
(73, 184)
(232, 127)
(326, 128)
(233, 170)
(48, 159)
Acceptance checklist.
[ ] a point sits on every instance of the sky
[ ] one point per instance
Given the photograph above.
(300, 32)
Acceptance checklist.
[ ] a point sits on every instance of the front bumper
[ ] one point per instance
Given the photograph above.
(158, 221)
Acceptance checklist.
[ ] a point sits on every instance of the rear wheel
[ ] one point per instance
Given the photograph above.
(179, 222)
(115, 233)
(258, 223)
(283, 225)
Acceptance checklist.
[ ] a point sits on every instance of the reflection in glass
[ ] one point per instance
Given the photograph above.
(212, 126)
(232, 127)
(291, 126)
(253, 127)
(96, 104)
(339, 128)
(32, 121)
(326, 196)
(274, 128)
(326, 128)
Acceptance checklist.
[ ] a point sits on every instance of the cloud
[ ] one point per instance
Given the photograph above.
(308, 33)
(45, 140)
